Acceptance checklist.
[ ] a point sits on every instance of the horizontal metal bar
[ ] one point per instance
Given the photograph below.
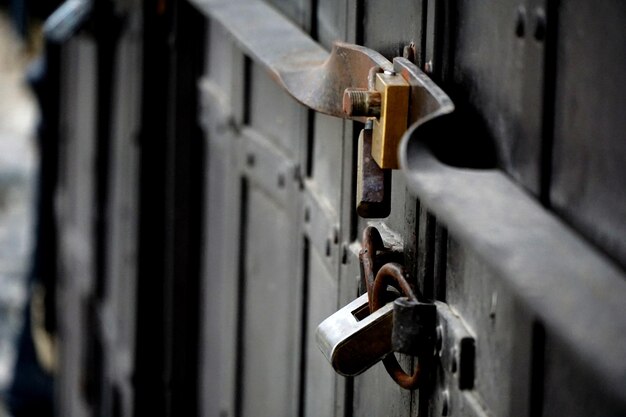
(308, 72)
(578, 294)
(67, 19)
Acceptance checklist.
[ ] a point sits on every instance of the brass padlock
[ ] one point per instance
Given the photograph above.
(353, 340)
(386, 104)
(392, 123)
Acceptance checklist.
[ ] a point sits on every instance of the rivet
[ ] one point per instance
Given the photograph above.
(344, 253)
(408, 52)
(540, 24)
(250, 159)
(307, 214)
(328, 247)
(494, 305)
(520, 22)
(445, 402)
(281, 180)
(428, 67)
(453, 361)
(439, 341)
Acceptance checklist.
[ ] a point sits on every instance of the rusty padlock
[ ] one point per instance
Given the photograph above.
(353, 340)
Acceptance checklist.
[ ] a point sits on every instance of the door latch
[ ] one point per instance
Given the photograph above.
(396, 96)
(374, 325)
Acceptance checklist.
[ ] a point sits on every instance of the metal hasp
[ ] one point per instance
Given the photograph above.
(373, 184)
(396, 94)
(413, 331)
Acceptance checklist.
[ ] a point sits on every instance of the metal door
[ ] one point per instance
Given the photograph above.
(282, 235)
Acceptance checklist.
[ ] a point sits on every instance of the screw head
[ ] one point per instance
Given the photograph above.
(540, 24)
(445, 402)
(453, 361)
(335, 235)
(439, 340)
(344, 253)
(520, 22)
(408, 52)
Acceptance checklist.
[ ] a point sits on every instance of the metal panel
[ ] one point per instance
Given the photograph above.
(502, 330)
(319, 378)
(75, 211)
(388, 29)
(299, 11)
(495, 80)
(123, 204)
(269, 353)
(548, 268)
(492, 60)
(270, 313)
(220, 110)
(589, 149)
(282, 121)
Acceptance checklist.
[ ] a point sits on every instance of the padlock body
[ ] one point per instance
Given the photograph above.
(353, 340)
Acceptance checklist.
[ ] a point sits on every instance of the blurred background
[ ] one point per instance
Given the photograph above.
(19, 47)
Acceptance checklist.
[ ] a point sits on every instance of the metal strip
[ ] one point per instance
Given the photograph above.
(301, 66)
(67, 19)
(578, 294)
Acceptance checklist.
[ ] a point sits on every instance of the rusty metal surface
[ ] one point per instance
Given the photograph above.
(389, 274)
(302, 67)
(373, 184)
(376, 278)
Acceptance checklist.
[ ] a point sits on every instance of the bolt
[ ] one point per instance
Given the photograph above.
(408, 52)
(494, 305)
(297, 174)
(520, 22)
(445, 402)
(344, 253)
(540, 24)
(360, 102)
(250, 160)
(439, 341)
(453, 361)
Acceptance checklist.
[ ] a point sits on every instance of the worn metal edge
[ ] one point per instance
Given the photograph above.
(577, 293)
(309, 73)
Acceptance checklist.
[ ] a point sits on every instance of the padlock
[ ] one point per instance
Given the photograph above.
(353, 340)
